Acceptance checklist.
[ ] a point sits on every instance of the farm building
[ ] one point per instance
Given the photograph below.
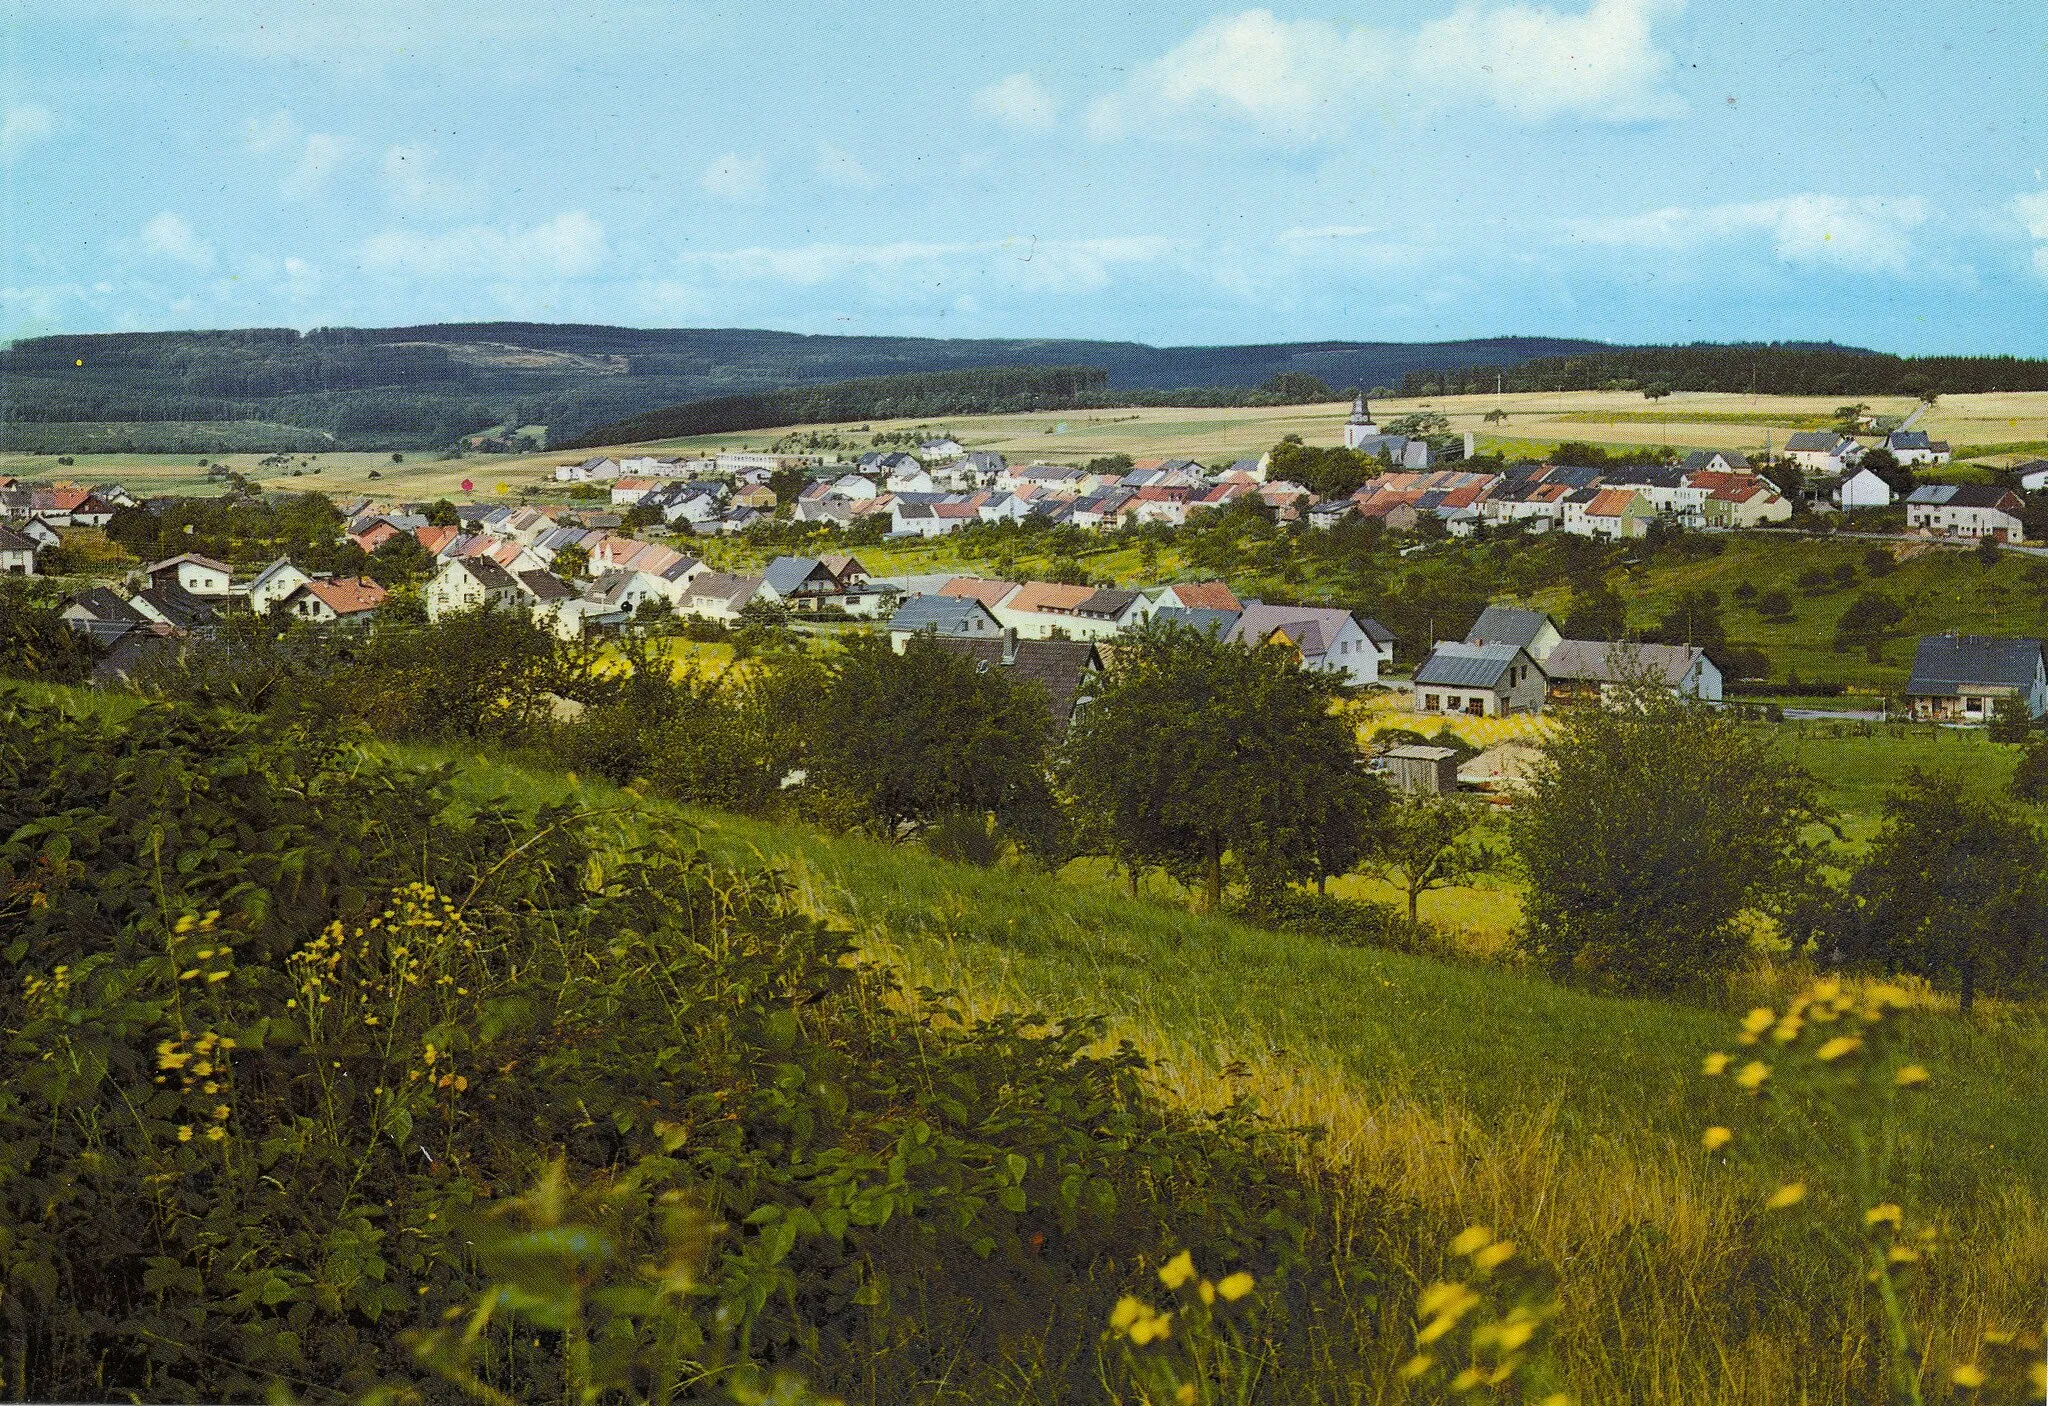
(1969, 510)
(1418, 770)
(1485, 681)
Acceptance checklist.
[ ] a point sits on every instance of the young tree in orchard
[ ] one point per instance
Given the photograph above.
(1951, 888)
(1193, 748)
(1431, 842)
(1649, 828)
(900, 741)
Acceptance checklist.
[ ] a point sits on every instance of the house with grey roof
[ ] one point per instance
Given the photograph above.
(1324, 637)
(2032, 476)
(17, 553)
(1482, 680)
(1823, 452)
(1063, 670)
(1596, 668)
(1532, 630)
(1972, 511)
(1915, 447)
(469, 583)
(952, 616)
(1202, 620)
(1963, 678)
(715, 595)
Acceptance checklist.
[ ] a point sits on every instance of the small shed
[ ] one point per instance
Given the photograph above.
(1424, 771)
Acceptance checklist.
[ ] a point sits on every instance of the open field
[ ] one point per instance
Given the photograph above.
(2004, 427)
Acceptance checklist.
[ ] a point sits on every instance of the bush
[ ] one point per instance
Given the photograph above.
(1347, 922)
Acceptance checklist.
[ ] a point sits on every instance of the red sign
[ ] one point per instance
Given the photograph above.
(467, 485)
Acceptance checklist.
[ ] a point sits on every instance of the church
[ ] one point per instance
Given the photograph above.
(1402, 452)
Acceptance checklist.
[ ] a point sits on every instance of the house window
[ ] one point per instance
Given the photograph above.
(1429, 702)
(1476, 705)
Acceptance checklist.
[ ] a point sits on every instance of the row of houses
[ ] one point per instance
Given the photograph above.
(977, 608)
(1517, 661)
(1831, 454)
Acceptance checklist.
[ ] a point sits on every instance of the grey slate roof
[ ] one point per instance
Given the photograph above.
(1312, 628)
(488, 574)
(1107, 604)
(786, 575)
(102, 604)
(179, 606)
(1376, 632)
(1507, 624)
(1594, 661)
(1060, 667)
(544, 585)
(1467, 665)
(1802, 441)
(12, 541)
(945, 615)
(1961, 495)
(1945, 663)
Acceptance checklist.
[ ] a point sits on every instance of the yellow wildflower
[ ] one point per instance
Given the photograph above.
(1716, 1064)
(1436, 1297)
(1839, 1046)
(1968, 1376)
(1186, 1395)
(1206, 1292)
(1472, 1238)
(1125, 1313)
(1759, 1020)
(1235, 1286)
(1902, 1254)
(216, 1133)
(1495, 1255)
(1159, 1325)
(185, 1132)
(1468, 1379)
(1909, 1075)
(1416, 1366)
(1888, 1213)
(1178, 1270)
(1790, 1194)
(1753, 1074)
(1556, 1398)
(1716, 1138)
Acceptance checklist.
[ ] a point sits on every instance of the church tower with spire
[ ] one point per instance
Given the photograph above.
(1360, 426)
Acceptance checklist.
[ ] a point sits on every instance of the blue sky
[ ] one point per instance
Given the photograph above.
(1174, 173)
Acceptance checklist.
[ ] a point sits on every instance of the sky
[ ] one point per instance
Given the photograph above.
(1181, 172)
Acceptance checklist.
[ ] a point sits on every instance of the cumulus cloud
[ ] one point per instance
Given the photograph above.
(570, 245)
(1026, 263)
(2033, 214)
(23, 125)
(171, 236)
(1302, 79)
(735, 177)
(1019, 101)
(1869, 233)
(843, 168)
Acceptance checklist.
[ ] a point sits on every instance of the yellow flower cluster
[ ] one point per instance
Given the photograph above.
(46, 997)
(1137, 1320)
(1498, 1345)
(200, 1067)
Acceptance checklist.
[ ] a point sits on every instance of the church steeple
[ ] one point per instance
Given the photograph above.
(1359, 414)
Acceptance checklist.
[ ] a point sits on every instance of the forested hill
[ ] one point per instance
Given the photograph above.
(425, 386)
(410, 387)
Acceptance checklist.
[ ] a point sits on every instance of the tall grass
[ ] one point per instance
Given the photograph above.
(1567, 1121)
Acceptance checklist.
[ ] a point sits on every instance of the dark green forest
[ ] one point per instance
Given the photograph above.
(1777, 369)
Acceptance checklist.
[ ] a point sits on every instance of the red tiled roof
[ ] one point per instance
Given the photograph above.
(1610, 502)
(977, 588)
(348, 595)
(1207, 595)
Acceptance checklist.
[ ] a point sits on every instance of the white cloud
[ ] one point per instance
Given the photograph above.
(2033, 213)
(735, 177)
(1028, 263)
(319, 159)
(570, 245)
(23, 126)
(1019, 100)
(1868, 233)
(170, 236)
(843, 168)
(1537, 63)
(1304, 79)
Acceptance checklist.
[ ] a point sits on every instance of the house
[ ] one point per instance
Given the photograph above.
(1200, 619)
(946, 448)
(589, 469)
(102, 614)
(1862, 489)
(273, 583)
(1614, 513)
(1748, 504)
(624, 592)
(1914, 447)
(1720, 461)
(941, 615)
(38, 532)
(1324, 637)
(2032, 475)
(194, 574)
(1418, 770)
(1961, 678)
(1593, 668)
(989, 593)
(325, 601)
(802, 583)
(1042, 609)
(17, 553)
(1531, 630)
(1199, 595)
(169, 604)
(628, 492)
(714, 595)
(1967, 510)
(1064, 670)
(1823, 451)
(1483, 680)
(469, 583)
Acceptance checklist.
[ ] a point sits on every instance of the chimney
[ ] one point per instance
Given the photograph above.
(1010, 645)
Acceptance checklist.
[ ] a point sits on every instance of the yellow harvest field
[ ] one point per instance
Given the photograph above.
(1527, 423)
